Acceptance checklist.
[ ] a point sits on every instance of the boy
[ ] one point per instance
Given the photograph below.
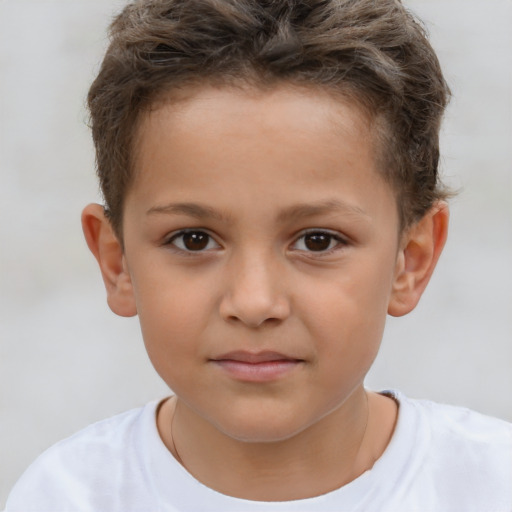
(270, 178)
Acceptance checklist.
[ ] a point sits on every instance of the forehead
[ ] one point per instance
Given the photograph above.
(298, 106)
(286, 109)
(286, 141)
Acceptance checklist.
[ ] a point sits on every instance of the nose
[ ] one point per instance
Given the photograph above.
(255, 293)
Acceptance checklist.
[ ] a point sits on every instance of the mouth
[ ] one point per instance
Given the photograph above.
(256, 366)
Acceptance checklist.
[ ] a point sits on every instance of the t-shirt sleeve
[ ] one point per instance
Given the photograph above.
(46, 486)
(99, 469)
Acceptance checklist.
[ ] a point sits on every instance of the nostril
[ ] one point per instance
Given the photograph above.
(255, 323)
(254, 313)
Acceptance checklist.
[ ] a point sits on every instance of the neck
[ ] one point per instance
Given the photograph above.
(321, 458)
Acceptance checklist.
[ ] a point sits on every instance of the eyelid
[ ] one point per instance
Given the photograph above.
(169, 239)
(342, 240)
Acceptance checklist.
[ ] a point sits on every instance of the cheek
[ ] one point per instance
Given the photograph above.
(347, 319)
(172, 315)
(170, 331)
(356, 297)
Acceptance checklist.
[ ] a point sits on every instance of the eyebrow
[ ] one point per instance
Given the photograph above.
(190, 209)
(299, 211)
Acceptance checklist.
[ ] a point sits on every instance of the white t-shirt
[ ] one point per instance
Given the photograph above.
(440, 459)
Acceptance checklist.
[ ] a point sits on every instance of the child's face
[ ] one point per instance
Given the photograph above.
(262, 246)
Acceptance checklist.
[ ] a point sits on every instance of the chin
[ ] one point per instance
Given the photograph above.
(261, 428)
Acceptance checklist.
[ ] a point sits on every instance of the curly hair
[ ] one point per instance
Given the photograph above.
(376, 52)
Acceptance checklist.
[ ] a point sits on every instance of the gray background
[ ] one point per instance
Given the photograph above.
(66, 361)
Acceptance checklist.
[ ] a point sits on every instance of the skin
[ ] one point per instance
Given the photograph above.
(258, 173)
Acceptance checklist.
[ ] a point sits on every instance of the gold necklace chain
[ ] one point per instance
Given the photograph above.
(178, 457)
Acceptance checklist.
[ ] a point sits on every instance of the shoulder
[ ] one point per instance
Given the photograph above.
(461, 455)
(462, 426)
(63, 475)
(94, 444)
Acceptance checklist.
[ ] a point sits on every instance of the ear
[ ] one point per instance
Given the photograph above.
(419, 252)
(108, 252)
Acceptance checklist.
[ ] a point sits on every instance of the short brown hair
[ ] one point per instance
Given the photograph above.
(373, 50)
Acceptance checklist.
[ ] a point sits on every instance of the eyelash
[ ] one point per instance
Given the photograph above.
(340, 242)
(183, 250)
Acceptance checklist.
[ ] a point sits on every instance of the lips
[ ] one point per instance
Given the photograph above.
(255, 357)
(256, 366)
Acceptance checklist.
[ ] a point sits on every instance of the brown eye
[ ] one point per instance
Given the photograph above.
(193, 241)
(318, 241)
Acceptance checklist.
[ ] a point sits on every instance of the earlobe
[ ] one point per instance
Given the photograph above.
(108, 252)
(420, 250)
